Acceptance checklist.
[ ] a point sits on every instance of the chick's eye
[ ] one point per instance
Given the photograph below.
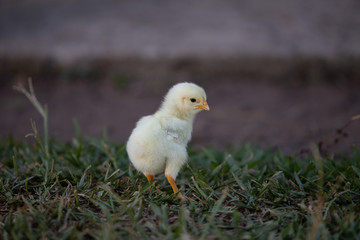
(192, 99)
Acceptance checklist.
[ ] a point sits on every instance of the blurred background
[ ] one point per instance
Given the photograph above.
(277, 73)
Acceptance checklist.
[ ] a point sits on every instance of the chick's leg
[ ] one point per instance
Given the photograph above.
(172, 183)
(149, 177)
(174, 187)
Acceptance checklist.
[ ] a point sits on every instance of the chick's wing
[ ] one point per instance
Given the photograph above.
(176, 130)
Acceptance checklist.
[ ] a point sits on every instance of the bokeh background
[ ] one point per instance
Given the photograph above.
(277, 73)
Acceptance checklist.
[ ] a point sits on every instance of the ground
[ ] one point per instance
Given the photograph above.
(280, 74)
(288, 116)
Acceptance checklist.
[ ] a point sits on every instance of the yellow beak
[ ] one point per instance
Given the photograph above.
(204, 105)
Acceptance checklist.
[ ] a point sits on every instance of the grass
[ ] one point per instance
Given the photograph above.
(86, 189)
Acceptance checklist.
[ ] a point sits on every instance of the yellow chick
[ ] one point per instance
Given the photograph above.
(158, 142)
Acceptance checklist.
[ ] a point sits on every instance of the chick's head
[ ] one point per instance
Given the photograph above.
(186, 99)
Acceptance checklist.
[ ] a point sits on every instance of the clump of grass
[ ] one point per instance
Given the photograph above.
(87, 189)
(43, 110)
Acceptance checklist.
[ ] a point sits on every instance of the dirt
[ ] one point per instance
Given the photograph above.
(287, 116)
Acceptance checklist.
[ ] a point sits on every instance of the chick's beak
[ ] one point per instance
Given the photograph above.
(204, 105)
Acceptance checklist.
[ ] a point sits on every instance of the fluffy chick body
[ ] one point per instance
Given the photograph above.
(158, 142)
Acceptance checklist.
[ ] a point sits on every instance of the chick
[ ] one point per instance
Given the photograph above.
(158, 142)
